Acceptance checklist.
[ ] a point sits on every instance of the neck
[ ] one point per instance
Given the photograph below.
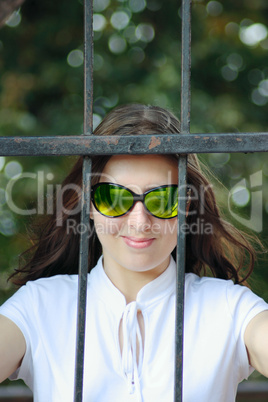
(130, 282)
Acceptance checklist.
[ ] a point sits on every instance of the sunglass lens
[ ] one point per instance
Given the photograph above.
(112, 200)
(162, 202)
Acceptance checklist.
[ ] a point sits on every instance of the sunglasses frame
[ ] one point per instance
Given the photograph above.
(136, 198)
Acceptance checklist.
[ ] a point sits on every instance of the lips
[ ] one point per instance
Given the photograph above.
(137, 242)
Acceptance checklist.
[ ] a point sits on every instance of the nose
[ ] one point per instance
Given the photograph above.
(139, 218)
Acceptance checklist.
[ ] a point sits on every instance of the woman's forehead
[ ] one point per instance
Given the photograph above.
(166, 161)
(147, 169)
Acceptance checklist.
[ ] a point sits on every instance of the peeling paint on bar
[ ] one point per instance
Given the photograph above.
(154, 142)
(110, 140)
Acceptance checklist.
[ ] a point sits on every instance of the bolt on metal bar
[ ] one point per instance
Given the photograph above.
(182, 183)
(85, 204)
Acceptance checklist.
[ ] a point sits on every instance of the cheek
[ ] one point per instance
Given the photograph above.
(169, 228)
(166, 229)
(170, 233)
(107, 226)
(102, 224)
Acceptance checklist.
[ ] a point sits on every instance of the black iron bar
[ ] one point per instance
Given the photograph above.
(182, 174)
(82, 283)
(186, 66)
(85, 203)
(134, 144)
(182, 180)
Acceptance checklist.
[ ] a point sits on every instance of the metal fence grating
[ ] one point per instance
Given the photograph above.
(88, 144)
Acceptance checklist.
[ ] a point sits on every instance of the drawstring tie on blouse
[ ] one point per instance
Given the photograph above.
(132, 335)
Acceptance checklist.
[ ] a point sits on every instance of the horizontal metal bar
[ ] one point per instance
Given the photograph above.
(133, 144)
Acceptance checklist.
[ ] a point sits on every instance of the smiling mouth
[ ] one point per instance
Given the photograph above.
(137, 242)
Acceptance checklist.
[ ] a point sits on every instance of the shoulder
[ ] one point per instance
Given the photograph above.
(58, 289)
(45, 291)
(58, 284)
(213, 294)
(40, 301)
(207, 295)
(204, 284)
(55, 281)
(210, 285)
(199, 285)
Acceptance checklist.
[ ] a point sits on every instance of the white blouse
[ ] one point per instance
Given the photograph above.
(215, 359)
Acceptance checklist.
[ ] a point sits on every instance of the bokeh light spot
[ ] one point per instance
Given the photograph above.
(240, 196)
(13, 169)
(99, 22)
(228, 73)
(98, 62)
(75, 58)
(96, 120)
(258, 98)
(137, 54)
(117, 44)
(255, 76)
(130, 34)
(14, 20)
(214, 8)
(145, 32)
(263, 88)
(253, 34)
(100, 5)
(235, 61)
(2, 196)
(218, 159)
(2, 162)
(137, 5)
(119, 20)
(231, 29)
(7, 224)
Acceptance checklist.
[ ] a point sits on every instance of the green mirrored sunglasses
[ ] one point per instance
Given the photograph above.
(113, 200)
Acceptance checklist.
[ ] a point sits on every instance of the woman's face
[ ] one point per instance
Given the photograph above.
(137, 241)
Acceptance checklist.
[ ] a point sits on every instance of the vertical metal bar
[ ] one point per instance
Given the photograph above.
(182, 173)
(186, 66)
(88, 66)
(182, 181)
(85, 202)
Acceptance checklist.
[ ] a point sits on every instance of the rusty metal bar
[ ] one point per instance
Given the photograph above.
(182, 181)
(134, 144)
(85, 205)
(182, 174)
(186, 66)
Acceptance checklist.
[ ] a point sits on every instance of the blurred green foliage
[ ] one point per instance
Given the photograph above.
(137, 59)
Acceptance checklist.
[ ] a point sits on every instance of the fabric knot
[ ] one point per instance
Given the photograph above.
(131, 338)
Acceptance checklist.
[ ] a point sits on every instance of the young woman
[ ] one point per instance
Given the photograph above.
(129, 351)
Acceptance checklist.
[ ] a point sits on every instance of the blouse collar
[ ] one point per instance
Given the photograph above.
(151, 293)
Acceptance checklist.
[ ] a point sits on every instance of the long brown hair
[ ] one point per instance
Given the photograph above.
(224, 251)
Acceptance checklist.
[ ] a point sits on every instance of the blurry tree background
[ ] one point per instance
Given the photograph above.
(137, 59)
